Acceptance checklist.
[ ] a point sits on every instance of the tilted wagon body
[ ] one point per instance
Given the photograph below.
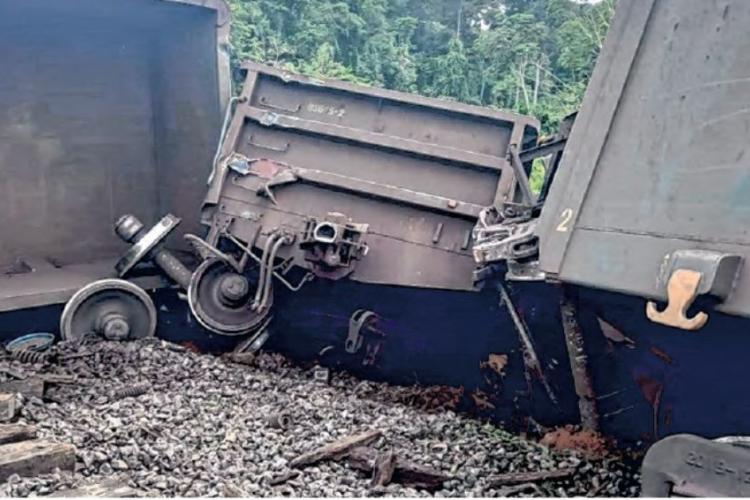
(366, 200)
(647, 221)
(363, 199)
(106, 107)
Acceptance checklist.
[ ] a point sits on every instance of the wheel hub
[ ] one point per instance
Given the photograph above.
(112, 308)
(221, 299)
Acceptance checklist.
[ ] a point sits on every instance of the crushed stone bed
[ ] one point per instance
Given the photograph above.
(202, 429)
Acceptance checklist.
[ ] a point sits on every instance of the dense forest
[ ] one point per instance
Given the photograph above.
(532, 56)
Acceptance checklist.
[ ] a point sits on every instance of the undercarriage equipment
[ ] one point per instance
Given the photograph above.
(149, 245)
(112, 308)
(223, 300)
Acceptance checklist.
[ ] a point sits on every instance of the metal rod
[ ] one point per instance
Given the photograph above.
(263, 269)
(579, 362)
(530, 358)
(308, 277)
(523, 180)
(269, 274)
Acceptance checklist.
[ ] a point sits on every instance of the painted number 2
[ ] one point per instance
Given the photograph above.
(565, 217)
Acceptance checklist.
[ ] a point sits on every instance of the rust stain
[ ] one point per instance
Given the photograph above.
(668, 416)
(652, 391)
(590, 443)
(265, 169)
(650, 388)
(482, 400)
(661, 355)
(191, 346)
(496, 362)
(614, 334)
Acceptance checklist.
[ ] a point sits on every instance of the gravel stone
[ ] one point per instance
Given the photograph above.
(203, 425)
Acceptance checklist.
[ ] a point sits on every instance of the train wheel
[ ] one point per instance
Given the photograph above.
(222, 300)
(112, 308)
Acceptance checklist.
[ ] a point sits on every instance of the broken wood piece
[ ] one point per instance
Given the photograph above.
(241, 358)
(528, 477)
(13, 433)
(60, 379)
(34, 458)
(382, 471)
(12, 372)
(110, 488)
(519, 488)
(284, 477)
(28, 387)
(9, 406)
(336, 450)
(405, 472)
(78, 355)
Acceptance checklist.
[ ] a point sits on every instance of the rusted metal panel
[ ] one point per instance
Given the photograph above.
(654, 179)
(111, 107)
(414, 171)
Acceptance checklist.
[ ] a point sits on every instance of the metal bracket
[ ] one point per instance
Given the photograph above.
(682, 291)
(206, 250)
(687, 465)
(145, 242)
(355, 338)
(693, 273)
(363, 323)
(333, 245)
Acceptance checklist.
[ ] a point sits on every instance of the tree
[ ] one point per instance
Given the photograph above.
(531, 56)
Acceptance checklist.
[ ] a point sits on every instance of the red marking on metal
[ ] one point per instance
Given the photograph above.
(668, 416)
(265, 169)
(614, 334)
(649, 387)
(661, 355)
(191, 346)
(652, 391)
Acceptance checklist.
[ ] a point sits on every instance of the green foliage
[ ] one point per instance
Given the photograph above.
(536, 178)
(531, 56)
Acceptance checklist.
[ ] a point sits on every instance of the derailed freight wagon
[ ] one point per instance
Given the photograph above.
(348, 212)
(106, 108)
(340, 214)
(647, 222)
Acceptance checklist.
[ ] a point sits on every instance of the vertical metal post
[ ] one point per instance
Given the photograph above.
(578, 362)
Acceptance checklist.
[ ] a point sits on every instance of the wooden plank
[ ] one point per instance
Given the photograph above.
(528, 477)
(9, 407)
(382, 472)
(284, 477)
(111, 488)
(405, 472)
(28, 387)
(59, 379)
(337, 449)
(13, 433)
(33, 458)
